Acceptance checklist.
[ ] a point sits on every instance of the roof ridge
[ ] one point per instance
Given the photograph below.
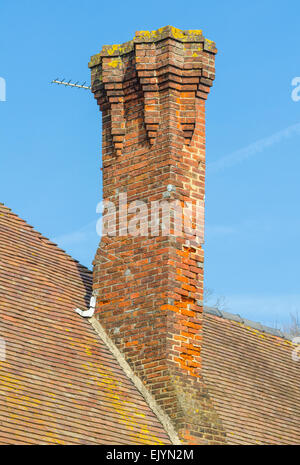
(42, 237)
(252, 324)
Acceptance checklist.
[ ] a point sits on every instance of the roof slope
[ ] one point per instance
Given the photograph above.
(253, 382)
(59, 383)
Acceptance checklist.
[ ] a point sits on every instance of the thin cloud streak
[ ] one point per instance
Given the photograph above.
(252, 149)
(76, 237)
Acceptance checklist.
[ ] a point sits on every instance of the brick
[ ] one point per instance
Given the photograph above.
(153, 105)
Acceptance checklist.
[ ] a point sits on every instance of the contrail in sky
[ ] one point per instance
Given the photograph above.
(252, 149)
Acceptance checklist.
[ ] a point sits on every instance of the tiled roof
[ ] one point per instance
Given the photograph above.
(59, 382)
(252, 380)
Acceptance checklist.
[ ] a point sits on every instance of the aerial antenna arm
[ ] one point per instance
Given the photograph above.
(71, 84)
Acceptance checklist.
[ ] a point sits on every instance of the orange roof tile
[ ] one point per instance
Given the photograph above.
(59, 383)
(253, 382)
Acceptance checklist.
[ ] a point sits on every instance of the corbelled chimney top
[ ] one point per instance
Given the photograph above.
(154, 36)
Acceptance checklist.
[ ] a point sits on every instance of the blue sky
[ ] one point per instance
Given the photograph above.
(50, 140)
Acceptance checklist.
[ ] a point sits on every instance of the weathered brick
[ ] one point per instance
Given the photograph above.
(153, 102)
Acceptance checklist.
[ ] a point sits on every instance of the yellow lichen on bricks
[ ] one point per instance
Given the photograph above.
(158, 35)
(113, 48)
(115, 62)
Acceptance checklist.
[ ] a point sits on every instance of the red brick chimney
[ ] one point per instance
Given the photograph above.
(149, 284)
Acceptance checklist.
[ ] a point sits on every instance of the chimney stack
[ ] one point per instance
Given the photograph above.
(148, 270)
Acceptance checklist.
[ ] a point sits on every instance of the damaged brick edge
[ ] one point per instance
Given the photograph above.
(161, 416)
